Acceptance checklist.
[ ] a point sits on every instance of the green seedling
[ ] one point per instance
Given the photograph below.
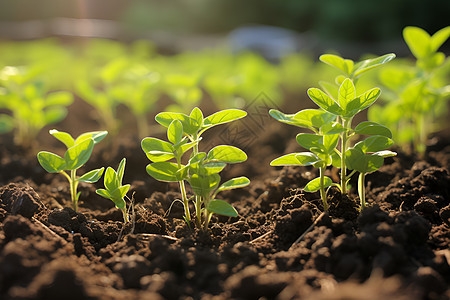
(343, 101)
(333, 123)
(114, 190)
(321, 145)
(201, 172)
(30, 104)
(78, 152)
(366, 157)
(417, 95)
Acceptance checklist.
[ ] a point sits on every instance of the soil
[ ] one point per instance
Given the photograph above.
(397, 248)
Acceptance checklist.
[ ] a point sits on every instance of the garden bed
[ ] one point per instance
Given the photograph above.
(395, 249)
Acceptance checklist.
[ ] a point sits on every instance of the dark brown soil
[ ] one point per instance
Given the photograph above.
(398, 248)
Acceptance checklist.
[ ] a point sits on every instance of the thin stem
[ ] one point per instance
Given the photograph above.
(346, 123)
(73, 189)
(323, 193)
(125, 215)
(208, 216)
(362, 189)
(187, 213)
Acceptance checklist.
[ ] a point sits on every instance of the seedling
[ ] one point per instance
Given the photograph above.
(31, 106)
(333, 122)
(344, 102)
(114, 190)
(418, 94)
(366, 157)
(322, 145)
(184, 134)
(78, 152)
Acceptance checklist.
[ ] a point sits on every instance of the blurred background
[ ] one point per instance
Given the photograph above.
(176, 25)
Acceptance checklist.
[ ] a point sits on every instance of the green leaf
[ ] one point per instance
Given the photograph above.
(418, 41)
(175, 132)
(164, 171)
(51, 162)
(309, 140)
(314, 185)
(372, 128)
(54, 114)
(203, 185)
(347, 92)
(96, 136)
(121, 170)
(296, 159)
(369, 97)
(234, 183)
(227, 154)
(79, 154)
(307, 118)
(222, 208)
(118, 194)
(197, 115)
(104, 193)
(324, 101)
(190, 126)
(439, 38)
(356, 160)
(59, 98)
(331, 128)
(92, 176)
(223, 116)
(374, 144)
(6, 123)
(369, 64)
(157, 150)
(330, 142)
(110, 180)
(345, 65)
(64, 137)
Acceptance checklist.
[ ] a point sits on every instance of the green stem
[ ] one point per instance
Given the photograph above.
(73, 182)
(422, 138)
(323, 193)
(187, 213)
(362, 189)
(344, 141)
(198, 210)
(208, 216)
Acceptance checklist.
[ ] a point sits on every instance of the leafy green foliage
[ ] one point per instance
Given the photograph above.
(31, 105)
(78, 152)
(202, 169)
(416, 96)
(331, 126)
(114, 190)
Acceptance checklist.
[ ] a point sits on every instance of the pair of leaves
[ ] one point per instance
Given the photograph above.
(78, 153)
(352, 70)
(195, 123)
(114, 190)
(421, 43)
(205, 164)
(347, 104)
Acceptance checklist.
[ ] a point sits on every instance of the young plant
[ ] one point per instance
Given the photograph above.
(78, 152)
(321, 145)
(114, 190)
(366, 157)
(30, 104)
(417, 95)
(344, 101)
(333, 123)
(201, 172)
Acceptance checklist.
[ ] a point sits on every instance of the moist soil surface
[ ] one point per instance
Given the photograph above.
(280, 247)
